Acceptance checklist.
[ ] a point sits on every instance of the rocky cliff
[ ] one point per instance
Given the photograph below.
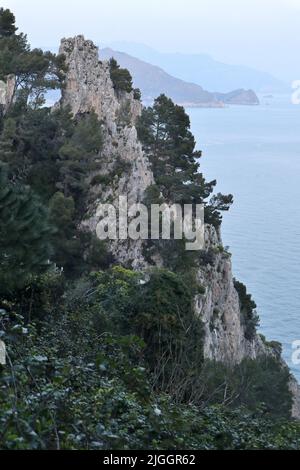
(89, 88)
(219, 309)
(7, 90)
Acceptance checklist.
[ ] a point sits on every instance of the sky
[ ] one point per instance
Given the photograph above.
(264, 34)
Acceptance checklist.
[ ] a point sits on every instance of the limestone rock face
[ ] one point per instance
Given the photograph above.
(89, 88)
(219, 309)
(88, 80)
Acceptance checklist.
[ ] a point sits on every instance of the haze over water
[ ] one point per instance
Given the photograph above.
(254, 153)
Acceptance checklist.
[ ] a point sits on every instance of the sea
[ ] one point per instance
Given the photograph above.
(254, 153)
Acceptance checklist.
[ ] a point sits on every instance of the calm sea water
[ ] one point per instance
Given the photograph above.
(254, 153)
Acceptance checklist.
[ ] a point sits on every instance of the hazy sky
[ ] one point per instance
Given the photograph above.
(260, 33)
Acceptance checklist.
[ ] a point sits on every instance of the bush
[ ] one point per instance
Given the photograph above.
(258, 385)
(67, 385)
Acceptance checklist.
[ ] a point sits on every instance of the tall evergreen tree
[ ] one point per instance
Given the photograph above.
(165, 132)
(34, 71)
(7, 23)
(24, 235)
(7, 141)
(78, 156)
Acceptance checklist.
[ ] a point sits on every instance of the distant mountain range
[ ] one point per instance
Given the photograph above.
(203, 70)
(153, 80)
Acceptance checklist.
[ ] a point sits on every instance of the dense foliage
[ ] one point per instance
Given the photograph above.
(24, 235)
(100, 357)
(34, 71)
(165, 132)
(78, 379)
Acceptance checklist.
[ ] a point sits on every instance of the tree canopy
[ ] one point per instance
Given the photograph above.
(121, 78)
(25, 233)
(165, 132)
(7, 23)
(34, 71)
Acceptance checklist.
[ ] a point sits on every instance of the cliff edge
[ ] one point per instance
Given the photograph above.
(89, 88)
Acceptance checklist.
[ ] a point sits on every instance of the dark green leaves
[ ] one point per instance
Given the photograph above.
(24, 235)
(7, 23)
(34, 71)
(121, 78)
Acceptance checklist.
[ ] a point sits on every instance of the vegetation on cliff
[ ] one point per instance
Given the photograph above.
(164, 130)
(100, 357)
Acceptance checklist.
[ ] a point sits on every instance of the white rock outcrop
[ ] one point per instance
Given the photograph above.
(89, 88)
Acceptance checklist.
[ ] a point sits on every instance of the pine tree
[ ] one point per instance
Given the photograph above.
(65, 242)
(165, 132)
(7, 23)
(7, 141)
(24, 235)
(35, 71)
(78, 156)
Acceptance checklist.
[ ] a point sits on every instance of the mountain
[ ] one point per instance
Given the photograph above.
(153, 80)
(205, 71)
(246, 97)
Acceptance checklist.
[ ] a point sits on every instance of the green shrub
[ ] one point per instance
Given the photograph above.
(261, 384)
(70, 385)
